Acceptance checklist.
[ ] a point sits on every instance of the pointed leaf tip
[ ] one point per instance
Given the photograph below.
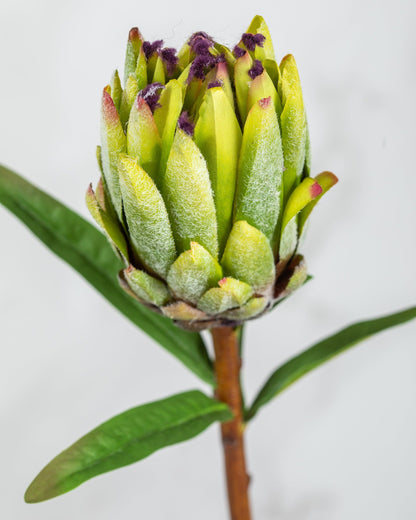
(108, 108)
(315, 190)
(134, 34)
(323, 351)
(127, 438)
(265, 102)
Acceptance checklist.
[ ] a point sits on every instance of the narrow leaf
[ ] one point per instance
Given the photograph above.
(125, 439)
(323, 351)
(87, 250)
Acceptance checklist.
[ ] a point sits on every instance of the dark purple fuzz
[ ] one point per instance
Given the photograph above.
(150, 48)
(238, 51)
(200, 42)
(251, 40)
(216, 83)
(202, 64)
(256, 69)
(170, 59)
(185, 124)
(151, 95)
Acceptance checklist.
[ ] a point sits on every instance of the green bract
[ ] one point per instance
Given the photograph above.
(206, 186)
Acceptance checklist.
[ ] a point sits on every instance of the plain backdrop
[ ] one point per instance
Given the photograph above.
(338, 445)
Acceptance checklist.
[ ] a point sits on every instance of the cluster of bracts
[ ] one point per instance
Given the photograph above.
(206, 187)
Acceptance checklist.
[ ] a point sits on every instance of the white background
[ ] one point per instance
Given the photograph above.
(338, 445)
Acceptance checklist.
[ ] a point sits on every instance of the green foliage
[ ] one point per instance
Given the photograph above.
(127, 438)
(323, 351)
(82, 246)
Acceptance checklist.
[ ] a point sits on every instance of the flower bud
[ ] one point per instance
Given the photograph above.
(206, 187)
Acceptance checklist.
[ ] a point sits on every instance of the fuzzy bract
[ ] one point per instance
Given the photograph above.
(206, 187)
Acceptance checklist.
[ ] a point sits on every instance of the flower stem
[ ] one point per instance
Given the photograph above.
(227, 371)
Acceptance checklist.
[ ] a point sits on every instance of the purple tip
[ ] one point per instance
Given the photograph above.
(200, 42)
(251, 40)
(170, 59)
(238, 51)
(151, 95)
(198, 67)
(216, 83)
(185, 124)
(202, 64)
(150, 48)
(256, 69)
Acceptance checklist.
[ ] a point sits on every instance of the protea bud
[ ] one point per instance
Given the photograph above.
(206, 185)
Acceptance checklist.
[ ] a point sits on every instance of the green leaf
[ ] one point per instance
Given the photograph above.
(127, 438)
(83, 247)
(323, 351)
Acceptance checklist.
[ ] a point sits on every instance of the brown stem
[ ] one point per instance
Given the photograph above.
(227, 371)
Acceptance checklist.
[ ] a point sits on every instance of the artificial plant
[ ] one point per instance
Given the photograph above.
(203, 199)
